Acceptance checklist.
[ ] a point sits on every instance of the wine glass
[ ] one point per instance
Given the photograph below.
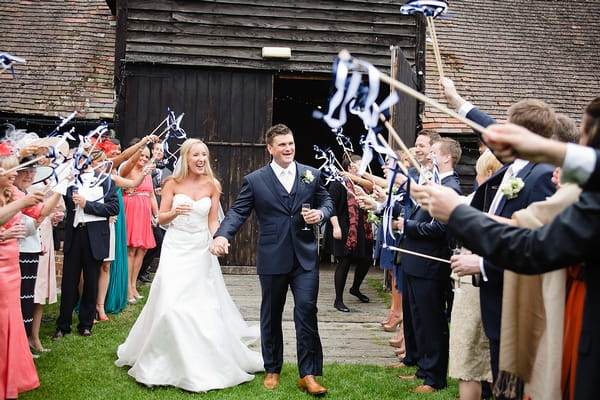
(305, 209)
(457, 289)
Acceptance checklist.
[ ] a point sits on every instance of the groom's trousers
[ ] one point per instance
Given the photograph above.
(305, 287)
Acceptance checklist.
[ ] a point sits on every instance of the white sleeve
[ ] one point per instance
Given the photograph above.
(482, 269)
(579, 164)
(465, 108)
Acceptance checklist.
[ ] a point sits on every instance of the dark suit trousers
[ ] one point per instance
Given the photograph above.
(424, 308)
(305, 287)
(77, 259)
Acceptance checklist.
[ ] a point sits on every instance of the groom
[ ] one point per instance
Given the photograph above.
(287, 254)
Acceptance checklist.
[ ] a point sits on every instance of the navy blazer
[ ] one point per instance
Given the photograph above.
(538, 187)
(423, 234)
(98, 231)
(280, 234)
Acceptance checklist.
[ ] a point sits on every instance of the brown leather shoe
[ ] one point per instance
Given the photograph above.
(424, 389)
(271, 381)
(310, 384)
(407, 376)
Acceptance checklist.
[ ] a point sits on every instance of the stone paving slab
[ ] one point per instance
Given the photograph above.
(355, 337)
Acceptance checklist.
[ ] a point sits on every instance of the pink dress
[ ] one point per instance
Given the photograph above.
(138, 216)
(17, 370)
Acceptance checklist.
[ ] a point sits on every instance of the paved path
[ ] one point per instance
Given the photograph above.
(354, 337)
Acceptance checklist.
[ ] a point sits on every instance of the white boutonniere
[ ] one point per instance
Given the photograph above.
(307, 177)
(512, 187)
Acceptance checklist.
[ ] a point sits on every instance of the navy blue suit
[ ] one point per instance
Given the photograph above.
(425, 295)
(85, 247)
(538, 187)
(287, 256)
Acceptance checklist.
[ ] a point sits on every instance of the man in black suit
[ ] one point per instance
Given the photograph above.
(489, 197)
(287, 254)
(86, 244)
(426, 281)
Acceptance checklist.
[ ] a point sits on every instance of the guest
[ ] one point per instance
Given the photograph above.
(426, 281)
(118, 285)
(30, 246)
(489, 197)
(17, 370)
(469, 356)
(141, 209)
(86, 245)
(348, 237)
(98, 157)
(159, 174)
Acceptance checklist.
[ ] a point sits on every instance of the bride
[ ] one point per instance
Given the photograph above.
(190, 334)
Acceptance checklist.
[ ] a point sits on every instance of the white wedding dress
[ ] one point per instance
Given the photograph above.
(190, 334)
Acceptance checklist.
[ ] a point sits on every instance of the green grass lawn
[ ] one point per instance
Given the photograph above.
(81, 368)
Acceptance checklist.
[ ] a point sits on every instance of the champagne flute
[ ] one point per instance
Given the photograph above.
(457, 289)
(74, 191)
(305, 209)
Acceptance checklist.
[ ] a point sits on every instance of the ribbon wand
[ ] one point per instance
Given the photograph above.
(436, 48)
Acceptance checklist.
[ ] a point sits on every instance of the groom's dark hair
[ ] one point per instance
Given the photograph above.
(276, 130)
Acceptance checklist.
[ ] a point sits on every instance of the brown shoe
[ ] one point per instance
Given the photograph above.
(271, 381)
(424, 389)
(310, 384)
(407, 376)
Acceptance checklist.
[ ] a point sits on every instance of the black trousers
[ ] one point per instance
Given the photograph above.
(29, 265)
(77, 260)
(426, 324)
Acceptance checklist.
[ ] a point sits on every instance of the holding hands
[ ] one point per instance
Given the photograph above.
(219, 246)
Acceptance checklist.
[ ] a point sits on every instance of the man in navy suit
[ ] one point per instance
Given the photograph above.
(537, 179)
(426, 281)
(86, 245)
(287, 254)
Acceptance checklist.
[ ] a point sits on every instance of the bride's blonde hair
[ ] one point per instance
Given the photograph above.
(181, 172)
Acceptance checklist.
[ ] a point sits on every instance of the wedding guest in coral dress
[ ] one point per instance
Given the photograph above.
(140, 210)
(17, 370)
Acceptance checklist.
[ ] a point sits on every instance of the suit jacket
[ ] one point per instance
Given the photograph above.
(426, 235)
(98, 231)
(280, 234)
(538, 187)
(572, 237)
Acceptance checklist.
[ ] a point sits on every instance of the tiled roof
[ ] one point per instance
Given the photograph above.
(69, 47)
(500, 52)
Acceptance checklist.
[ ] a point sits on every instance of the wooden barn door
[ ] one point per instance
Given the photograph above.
(229, 110)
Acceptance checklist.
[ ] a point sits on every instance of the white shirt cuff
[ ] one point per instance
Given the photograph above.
(579, 164)
(482, 269)
(465, 108)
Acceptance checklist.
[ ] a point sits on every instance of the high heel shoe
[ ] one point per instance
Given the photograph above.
(132, 300)
(138, 297)
(392, 324)
(100, 316)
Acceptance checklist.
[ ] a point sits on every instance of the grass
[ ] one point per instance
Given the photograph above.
(81, 368)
